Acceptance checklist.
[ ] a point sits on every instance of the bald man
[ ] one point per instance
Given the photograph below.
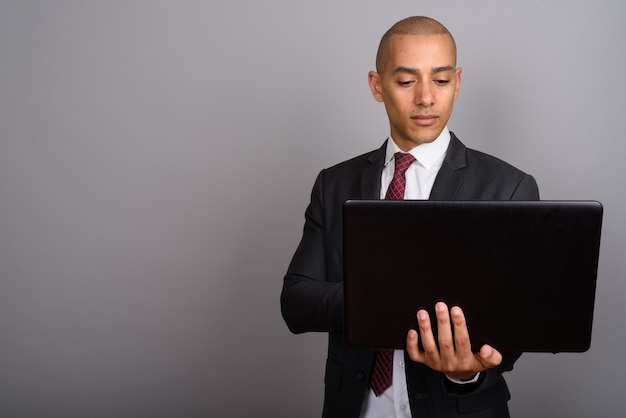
(418, 81)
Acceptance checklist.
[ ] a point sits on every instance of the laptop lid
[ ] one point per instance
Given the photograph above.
(524, 272)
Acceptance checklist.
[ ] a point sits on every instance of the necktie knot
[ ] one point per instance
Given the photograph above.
(402, 161)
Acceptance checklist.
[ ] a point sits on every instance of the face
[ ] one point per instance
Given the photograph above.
(418, 84)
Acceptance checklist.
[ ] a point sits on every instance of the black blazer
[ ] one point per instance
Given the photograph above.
(312, 295)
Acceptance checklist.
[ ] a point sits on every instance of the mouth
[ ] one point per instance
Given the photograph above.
(424, 120)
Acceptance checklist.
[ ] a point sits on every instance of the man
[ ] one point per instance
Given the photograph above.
(417, 80)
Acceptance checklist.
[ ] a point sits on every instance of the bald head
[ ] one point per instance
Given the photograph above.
(415, 25)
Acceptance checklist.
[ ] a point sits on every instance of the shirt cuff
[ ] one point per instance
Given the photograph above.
(464, 382)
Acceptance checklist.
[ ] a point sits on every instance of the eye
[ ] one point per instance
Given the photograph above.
(406, 83)
(441, 82)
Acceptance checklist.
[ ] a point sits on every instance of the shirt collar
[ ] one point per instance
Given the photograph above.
(426, 154)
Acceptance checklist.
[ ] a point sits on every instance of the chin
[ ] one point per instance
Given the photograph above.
(427, 137)
(426, 140)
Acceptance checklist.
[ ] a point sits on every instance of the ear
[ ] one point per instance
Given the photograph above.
(375, 83)
(458, 72)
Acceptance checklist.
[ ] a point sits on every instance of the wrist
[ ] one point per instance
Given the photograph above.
(464, 380)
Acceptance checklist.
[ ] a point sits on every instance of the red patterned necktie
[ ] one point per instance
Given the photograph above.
(398, 183)
(381, 375)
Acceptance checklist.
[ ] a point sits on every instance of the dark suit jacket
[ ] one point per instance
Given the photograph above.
(312, 296)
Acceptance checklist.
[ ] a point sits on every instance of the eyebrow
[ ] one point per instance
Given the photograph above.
(415, 71)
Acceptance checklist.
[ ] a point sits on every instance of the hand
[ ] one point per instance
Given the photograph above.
(454, 355)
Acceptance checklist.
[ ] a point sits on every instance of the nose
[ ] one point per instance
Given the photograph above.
(424, 95)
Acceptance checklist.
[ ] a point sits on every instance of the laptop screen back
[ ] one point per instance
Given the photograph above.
(523, 272)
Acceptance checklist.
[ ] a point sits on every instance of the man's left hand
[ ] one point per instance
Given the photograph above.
(452, 355)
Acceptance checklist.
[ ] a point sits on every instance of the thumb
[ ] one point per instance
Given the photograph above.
(489, 356)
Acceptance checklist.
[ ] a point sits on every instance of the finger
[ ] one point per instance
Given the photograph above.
(461, 334)
(489, 356)
(426, 335)
(412, 347)
(444, 331)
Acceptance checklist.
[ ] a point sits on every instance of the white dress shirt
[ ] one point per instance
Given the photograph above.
(420, 177)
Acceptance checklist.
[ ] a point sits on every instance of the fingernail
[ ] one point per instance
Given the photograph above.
(487, 352)
(422, 316)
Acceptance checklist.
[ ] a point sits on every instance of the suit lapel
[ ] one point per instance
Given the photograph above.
(450, 176)
(370, 176)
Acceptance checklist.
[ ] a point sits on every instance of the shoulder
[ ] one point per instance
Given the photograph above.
(356, 164)
(459, 156)
(487, 177)
(483, 161)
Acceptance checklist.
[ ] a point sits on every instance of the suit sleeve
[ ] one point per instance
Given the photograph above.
(310, 301)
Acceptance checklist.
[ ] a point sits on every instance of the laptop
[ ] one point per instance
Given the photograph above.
(524, 272)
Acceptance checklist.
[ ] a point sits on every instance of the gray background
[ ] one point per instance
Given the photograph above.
(156, 159)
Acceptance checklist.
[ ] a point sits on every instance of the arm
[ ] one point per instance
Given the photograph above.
(483, 179)
(311, 300)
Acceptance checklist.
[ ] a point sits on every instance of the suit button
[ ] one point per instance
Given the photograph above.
(421, 395)
(360, 376)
